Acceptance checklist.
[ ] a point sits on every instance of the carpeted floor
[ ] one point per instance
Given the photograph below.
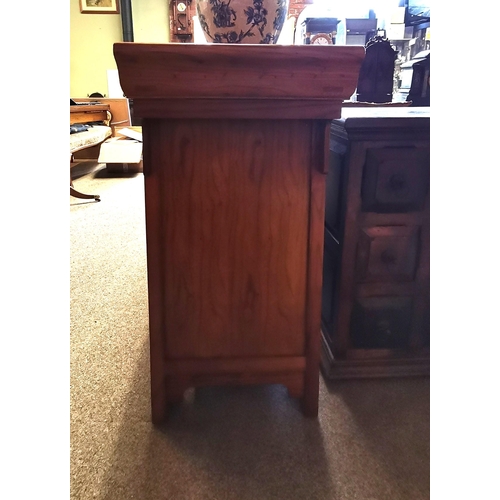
(370, 441)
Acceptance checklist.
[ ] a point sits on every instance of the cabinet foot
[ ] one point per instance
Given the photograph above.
(170, 392)
(309, 406)
(77, 194)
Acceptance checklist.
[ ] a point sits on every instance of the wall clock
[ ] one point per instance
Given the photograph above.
(181, 24)
(321, 39)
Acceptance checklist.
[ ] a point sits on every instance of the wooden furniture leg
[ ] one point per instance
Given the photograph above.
(77, 194)
(86, 114)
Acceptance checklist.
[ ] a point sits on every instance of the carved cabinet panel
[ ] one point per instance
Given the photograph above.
(394, 180)
(381, 322)
(387, 253)
(375, 309)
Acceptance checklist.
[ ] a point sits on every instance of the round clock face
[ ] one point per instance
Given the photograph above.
(321, 39)
(181, 7)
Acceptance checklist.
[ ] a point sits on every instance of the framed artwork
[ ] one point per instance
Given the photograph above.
(100, 6)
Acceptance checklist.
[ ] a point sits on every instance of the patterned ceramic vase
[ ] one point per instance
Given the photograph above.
(242, 21)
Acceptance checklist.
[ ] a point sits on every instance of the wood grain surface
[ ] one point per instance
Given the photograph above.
(235, 157)
(235, 233)
(237, 71)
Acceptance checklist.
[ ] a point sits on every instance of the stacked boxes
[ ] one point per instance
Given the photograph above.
(123, 153)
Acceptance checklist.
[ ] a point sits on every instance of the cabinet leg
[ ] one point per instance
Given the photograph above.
(295, 386)
(176, 387)
(309, 401)
(77, 194)
(159, 404)
(167, 393)
(309, 405)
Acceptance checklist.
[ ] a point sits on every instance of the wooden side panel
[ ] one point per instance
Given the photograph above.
(235, 238)
(154, 240)
(349, 246)
(319, 168)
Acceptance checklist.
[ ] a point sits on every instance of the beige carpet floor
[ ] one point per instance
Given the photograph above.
(369, 442)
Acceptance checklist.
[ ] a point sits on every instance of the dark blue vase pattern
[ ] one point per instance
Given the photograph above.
(224, 16)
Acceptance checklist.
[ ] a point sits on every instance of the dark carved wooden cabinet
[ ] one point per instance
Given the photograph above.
(375, 303)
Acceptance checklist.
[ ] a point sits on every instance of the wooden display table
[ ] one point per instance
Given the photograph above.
(235, 156)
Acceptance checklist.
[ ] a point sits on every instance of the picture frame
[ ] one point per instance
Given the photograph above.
(100, 6)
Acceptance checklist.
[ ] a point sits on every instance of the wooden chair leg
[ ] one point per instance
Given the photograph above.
(78, 194)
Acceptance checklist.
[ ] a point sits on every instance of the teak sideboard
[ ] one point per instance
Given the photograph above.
(235, 157)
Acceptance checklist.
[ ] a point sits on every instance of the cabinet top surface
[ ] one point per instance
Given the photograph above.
(385, 112)
(382, 120)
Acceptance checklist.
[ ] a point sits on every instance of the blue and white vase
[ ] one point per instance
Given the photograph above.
(242, 21)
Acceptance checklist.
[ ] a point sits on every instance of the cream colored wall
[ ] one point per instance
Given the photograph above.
(92, 37)
(151, 21)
